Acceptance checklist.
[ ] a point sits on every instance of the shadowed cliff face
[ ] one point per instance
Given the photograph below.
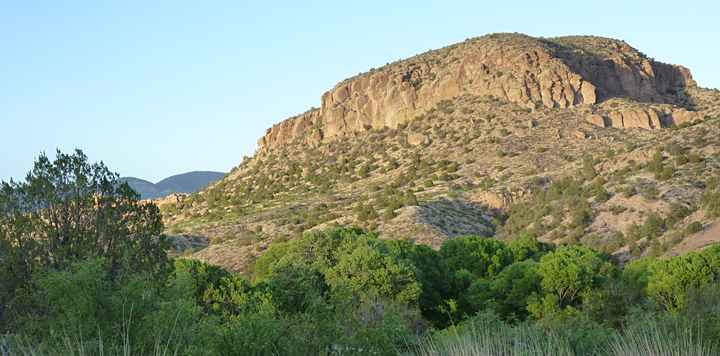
(557, 73)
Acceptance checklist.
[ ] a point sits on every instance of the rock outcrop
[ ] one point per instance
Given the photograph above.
(417, 139)
(557, 73)
(289, 129)
(647, 118)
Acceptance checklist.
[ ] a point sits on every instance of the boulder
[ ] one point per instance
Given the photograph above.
(417, 139)
(596, 120)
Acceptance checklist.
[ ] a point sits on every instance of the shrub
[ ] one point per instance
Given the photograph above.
(504, 132)
(536, 181)
(680, 160)
(628, 191)
(189, 251)
(667, 173)
(389, 213)
(601, 195)
(216, 241)
(649, 192)
(653, 225)
(675, 149)
(693, 228)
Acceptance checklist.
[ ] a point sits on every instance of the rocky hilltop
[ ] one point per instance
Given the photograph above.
(556, 73)
(572, 140)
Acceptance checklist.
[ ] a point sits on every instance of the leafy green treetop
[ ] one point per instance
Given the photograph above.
(69, 210)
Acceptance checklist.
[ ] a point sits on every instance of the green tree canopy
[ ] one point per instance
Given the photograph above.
(481, 256)
(324, 259)
(69, 210)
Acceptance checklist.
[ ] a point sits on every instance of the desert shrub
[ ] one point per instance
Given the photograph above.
(667, 173)
(675, 149)
(536, 181)
(389, 213)
(681, 160)
(693, 228)
(655, 165)
(601, 195)
(216, 241)
(677, 213)
(653, 226)
(628, 191)
(189, 251)
(649, 192)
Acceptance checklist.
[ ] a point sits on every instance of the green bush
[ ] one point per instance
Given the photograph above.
(216, 241)
(681, 160)
(389, 213)
(693, 228)
(649, 192)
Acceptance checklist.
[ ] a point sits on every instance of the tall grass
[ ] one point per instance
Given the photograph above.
(647, 338)
(13, 345)
(16, 345)
(653, 338)
(493, 340)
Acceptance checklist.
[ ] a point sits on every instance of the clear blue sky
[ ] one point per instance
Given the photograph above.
(157, 88)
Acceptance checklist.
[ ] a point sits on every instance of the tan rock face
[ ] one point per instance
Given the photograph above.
(173, 198)
(417, 138)
(393, 96)
(315, 138)
(596, 120)
(289, 129)
(511, 67)
(648, 118)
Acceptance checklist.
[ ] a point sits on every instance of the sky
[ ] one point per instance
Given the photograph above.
(158, 88)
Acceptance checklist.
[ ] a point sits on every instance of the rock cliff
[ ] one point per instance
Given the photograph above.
(647, 118)
(557, 73)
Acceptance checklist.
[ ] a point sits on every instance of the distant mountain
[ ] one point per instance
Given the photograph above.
(181, 183)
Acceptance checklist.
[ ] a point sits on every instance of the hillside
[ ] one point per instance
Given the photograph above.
(574, 140)
(180, 183)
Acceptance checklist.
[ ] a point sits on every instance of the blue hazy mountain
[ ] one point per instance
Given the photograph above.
(181, 183)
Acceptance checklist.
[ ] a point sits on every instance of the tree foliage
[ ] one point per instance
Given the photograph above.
(69, 210)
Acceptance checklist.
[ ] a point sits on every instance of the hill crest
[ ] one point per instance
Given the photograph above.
(556, 73)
